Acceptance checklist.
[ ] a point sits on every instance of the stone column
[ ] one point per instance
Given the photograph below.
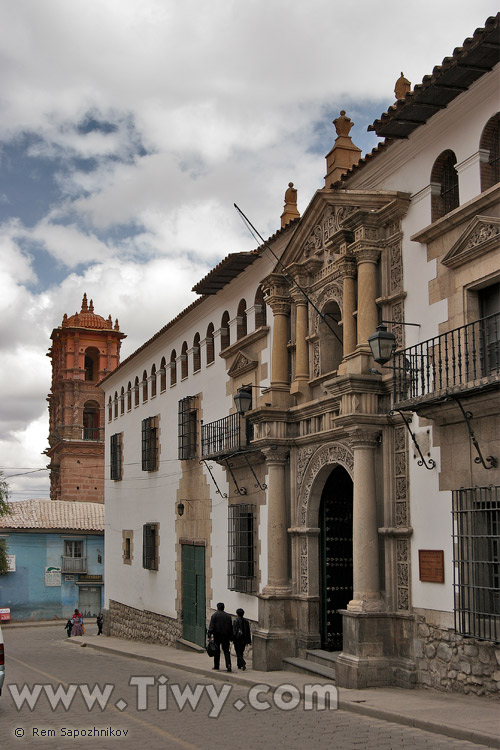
(277, 535)
(366, 582)
(347, 267)
(367, 260)
(279, 367)
(301, 346)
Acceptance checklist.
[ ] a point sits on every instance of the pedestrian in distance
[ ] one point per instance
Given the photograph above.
(99, 623)
(221, 628)
(77, 623)
(241, 637)
(68, 627)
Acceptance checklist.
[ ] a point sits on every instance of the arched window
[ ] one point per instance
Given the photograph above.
(144, 386)
(110, 409)
(224, 330)
(115, 402)
(490, 142)
(91, 419)
(444, 183)
(210, 344)
(91, 363)
(122, 400)
(260, 308)
(136, 391)
(330, 340)
(241, 327)
(196, 353)
(153, 381)
(129, 396)
(173, 367)
(163, 375)
(184, 361)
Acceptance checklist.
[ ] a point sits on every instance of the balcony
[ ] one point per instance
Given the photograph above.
(91, 433)
(463, 360)
(74, 564)
(225, 436)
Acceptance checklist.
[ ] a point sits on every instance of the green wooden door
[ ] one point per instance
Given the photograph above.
(193, 594)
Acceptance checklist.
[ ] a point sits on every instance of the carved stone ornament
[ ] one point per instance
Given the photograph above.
(243, 363)
(481, 236)
(330, 222)
(333, 292)
(395, 267)
(326, 455)
(304, 584)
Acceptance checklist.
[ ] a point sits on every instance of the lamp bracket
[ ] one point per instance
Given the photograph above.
(222, 494)
(239, 490)
(257, 483)
(467, 415)
(430, 463)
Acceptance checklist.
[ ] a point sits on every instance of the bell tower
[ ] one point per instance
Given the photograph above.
(85, 348)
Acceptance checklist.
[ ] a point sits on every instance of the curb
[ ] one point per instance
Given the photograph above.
(480, 738)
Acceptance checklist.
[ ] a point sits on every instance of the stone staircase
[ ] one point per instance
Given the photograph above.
(317, 662)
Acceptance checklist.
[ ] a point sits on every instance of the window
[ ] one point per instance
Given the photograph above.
(476, 577)
(196, 353)
(210, 344)
(489, 310)
(129, 396)
(116, 461)
(184, 360)
(173, 367)
(153, 381)
(187, 428)
(144, 386)
(91, 421)
(150, 444)
(330, 336)
(224, 331)
(73, 548)
(444, 178)
(150, 557)
(91, 363)
(122, 400)
(136, 391)
(163, 374)
(110, 409)
(260, 308)
(115, 405)
(241, 548)
(241, 326)
(490, 142)
(127, 546)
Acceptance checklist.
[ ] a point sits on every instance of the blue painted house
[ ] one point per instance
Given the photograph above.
(55, 550)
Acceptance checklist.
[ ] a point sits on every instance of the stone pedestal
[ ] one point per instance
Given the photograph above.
(377, 650)
(275, 638)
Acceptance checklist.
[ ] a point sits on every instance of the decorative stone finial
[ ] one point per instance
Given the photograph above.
(401, 87)
(290, 210)
(117, 327)
(343, 124)
(84, 304)
(91, 306)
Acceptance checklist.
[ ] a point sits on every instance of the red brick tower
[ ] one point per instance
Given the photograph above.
(85, 348)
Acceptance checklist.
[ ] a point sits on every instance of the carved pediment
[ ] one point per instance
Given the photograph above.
(330, 222)
(243, 362)
(481, 236)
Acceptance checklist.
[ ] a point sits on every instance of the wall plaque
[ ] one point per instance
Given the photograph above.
(431, 565)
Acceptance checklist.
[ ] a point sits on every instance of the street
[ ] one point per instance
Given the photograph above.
(80, 695)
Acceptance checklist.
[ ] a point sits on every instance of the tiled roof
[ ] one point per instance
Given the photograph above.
(477, 56)
(54, 514)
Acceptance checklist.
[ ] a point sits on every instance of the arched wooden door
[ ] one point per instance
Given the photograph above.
(335, 555)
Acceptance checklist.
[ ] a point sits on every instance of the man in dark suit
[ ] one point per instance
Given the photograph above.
(221, 627)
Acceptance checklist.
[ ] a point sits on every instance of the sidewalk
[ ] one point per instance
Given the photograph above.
(462, 717)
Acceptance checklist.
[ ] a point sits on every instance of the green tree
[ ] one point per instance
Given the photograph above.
(4, 510)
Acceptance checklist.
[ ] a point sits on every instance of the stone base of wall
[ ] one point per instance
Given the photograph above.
(448, 661)
(123, 621)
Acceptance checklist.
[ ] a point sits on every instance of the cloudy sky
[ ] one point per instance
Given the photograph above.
(129, 128)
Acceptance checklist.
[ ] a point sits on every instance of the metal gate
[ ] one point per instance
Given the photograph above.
(193, 594)
(89, 600)
(335, 556)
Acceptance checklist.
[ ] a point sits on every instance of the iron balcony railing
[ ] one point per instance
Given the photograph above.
(459, 360)
(91, 433)
(74, 564)
(226, 435)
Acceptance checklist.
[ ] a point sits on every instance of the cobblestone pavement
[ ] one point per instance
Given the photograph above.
(39, 656)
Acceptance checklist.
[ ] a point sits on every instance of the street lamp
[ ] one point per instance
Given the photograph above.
(382, 344)
(243, 399)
